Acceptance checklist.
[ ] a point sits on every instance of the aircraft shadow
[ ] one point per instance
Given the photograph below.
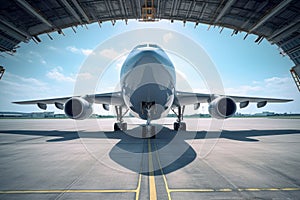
(169, 150)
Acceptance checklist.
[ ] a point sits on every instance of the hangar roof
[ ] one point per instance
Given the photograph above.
(276, 20)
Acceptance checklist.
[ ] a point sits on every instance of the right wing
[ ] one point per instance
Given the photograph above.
(189, 98)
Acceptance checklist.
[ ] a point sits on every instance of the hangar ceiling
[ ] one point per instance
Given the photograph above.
(278, 21)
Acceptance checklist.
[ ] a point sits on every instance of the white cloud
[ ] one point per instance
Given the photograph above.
(52, 48)
(279, 86)
(86, 52)
(43, 61)
(15, 85)
(75, 50)
(85, 76)
(109, 53)
(33, 55)
(277, 81)
(242, 90)
(56, 74)
(167, 37)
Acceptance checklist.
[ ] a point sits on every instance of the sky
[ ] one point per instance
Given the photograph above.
(52, 68)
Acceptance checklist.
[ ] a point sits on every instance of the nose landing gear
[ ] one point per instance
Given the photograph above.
(148, 131)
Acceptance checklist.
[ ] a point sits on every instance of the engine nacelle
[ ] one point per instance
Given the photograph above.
(78, 108)
(222, 108)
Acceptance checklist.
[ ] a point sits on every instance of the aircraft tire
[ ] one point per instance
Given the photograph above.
(182, 126)
(176, 126)
(124, 126)
(116, 127)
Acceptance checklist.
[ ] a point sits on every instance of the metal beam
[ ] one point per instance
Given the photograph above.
(81, 11)
(188, 11)
(108, 9)
(8, 40)
(201, 14)
(4, 48)
(288, 41)
(173, 7)
(270, 14)
(276, 33)
(32, 11)
(287, 32)
(13, 27)
(12, 33)
(293, 50)
(158, 9)
(72, 11)
(224, 10)
(259, 9)
(123, 9)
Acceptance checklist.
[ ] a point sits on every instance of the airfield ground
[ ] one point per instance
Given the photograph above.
(62, 159)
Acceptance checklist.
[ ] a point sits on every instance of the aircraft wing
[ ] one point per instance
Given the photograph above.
(114, 98)
(187, 98)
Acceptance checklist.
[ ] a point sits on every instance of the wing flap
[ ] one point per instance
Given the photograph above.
(259, 99)
(114, 98)
(188, 98)
(44, 101)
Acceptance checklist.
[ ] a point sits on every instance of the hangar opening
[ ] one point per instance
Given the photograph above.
(276, 21)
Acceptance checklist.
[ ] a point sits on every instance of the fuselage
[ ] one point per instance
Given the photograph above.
(148, 82)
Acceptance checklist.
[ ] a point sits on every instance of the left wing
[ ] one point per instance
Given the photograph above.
(114, 98)
(188, 98)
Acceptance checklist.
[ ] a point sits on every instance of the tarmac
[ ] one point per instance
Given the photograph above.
(254, 158)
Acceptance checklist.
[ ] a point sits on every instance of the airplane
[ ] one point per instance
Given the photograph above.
(147, 82)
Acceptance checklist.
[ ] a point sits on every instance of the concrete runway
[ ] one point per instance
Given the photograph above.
(64, 159)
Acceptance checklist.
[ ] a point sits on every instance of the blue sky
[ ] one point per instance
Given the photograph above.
(50, 68)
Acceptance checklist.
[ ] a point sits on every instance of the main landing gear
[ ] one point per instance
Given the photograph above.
(179, 125)
(120, 124)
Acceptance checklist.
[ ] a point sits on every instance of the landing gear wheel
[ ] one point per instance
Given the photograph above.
(116, 127)
(120, 126)
(124, 126)
(176, 126)
(179, 126)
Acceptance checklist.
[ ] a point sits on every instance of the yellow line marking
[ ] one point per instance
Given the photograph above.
(138, 189)
(163, 175)
(252, 189)
(233, 190)
(152, 186)
(224, 190)
(290, 189)
(63, 191)
(192, 190)
(270, 189)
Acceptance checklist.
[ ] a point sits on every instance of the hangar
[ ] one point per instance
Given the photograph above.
(277, 21)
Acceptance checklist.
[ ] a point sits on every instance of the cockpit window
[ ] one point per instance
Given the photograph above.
(147, 45)
(153, 46)
(141, 46)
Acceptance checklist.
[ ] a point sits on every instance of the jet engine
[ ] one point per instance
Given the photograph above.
(78, 108)
(222, 108)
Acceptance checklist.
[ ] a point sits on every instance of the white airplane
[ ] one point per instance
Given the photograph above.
(147, 81)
